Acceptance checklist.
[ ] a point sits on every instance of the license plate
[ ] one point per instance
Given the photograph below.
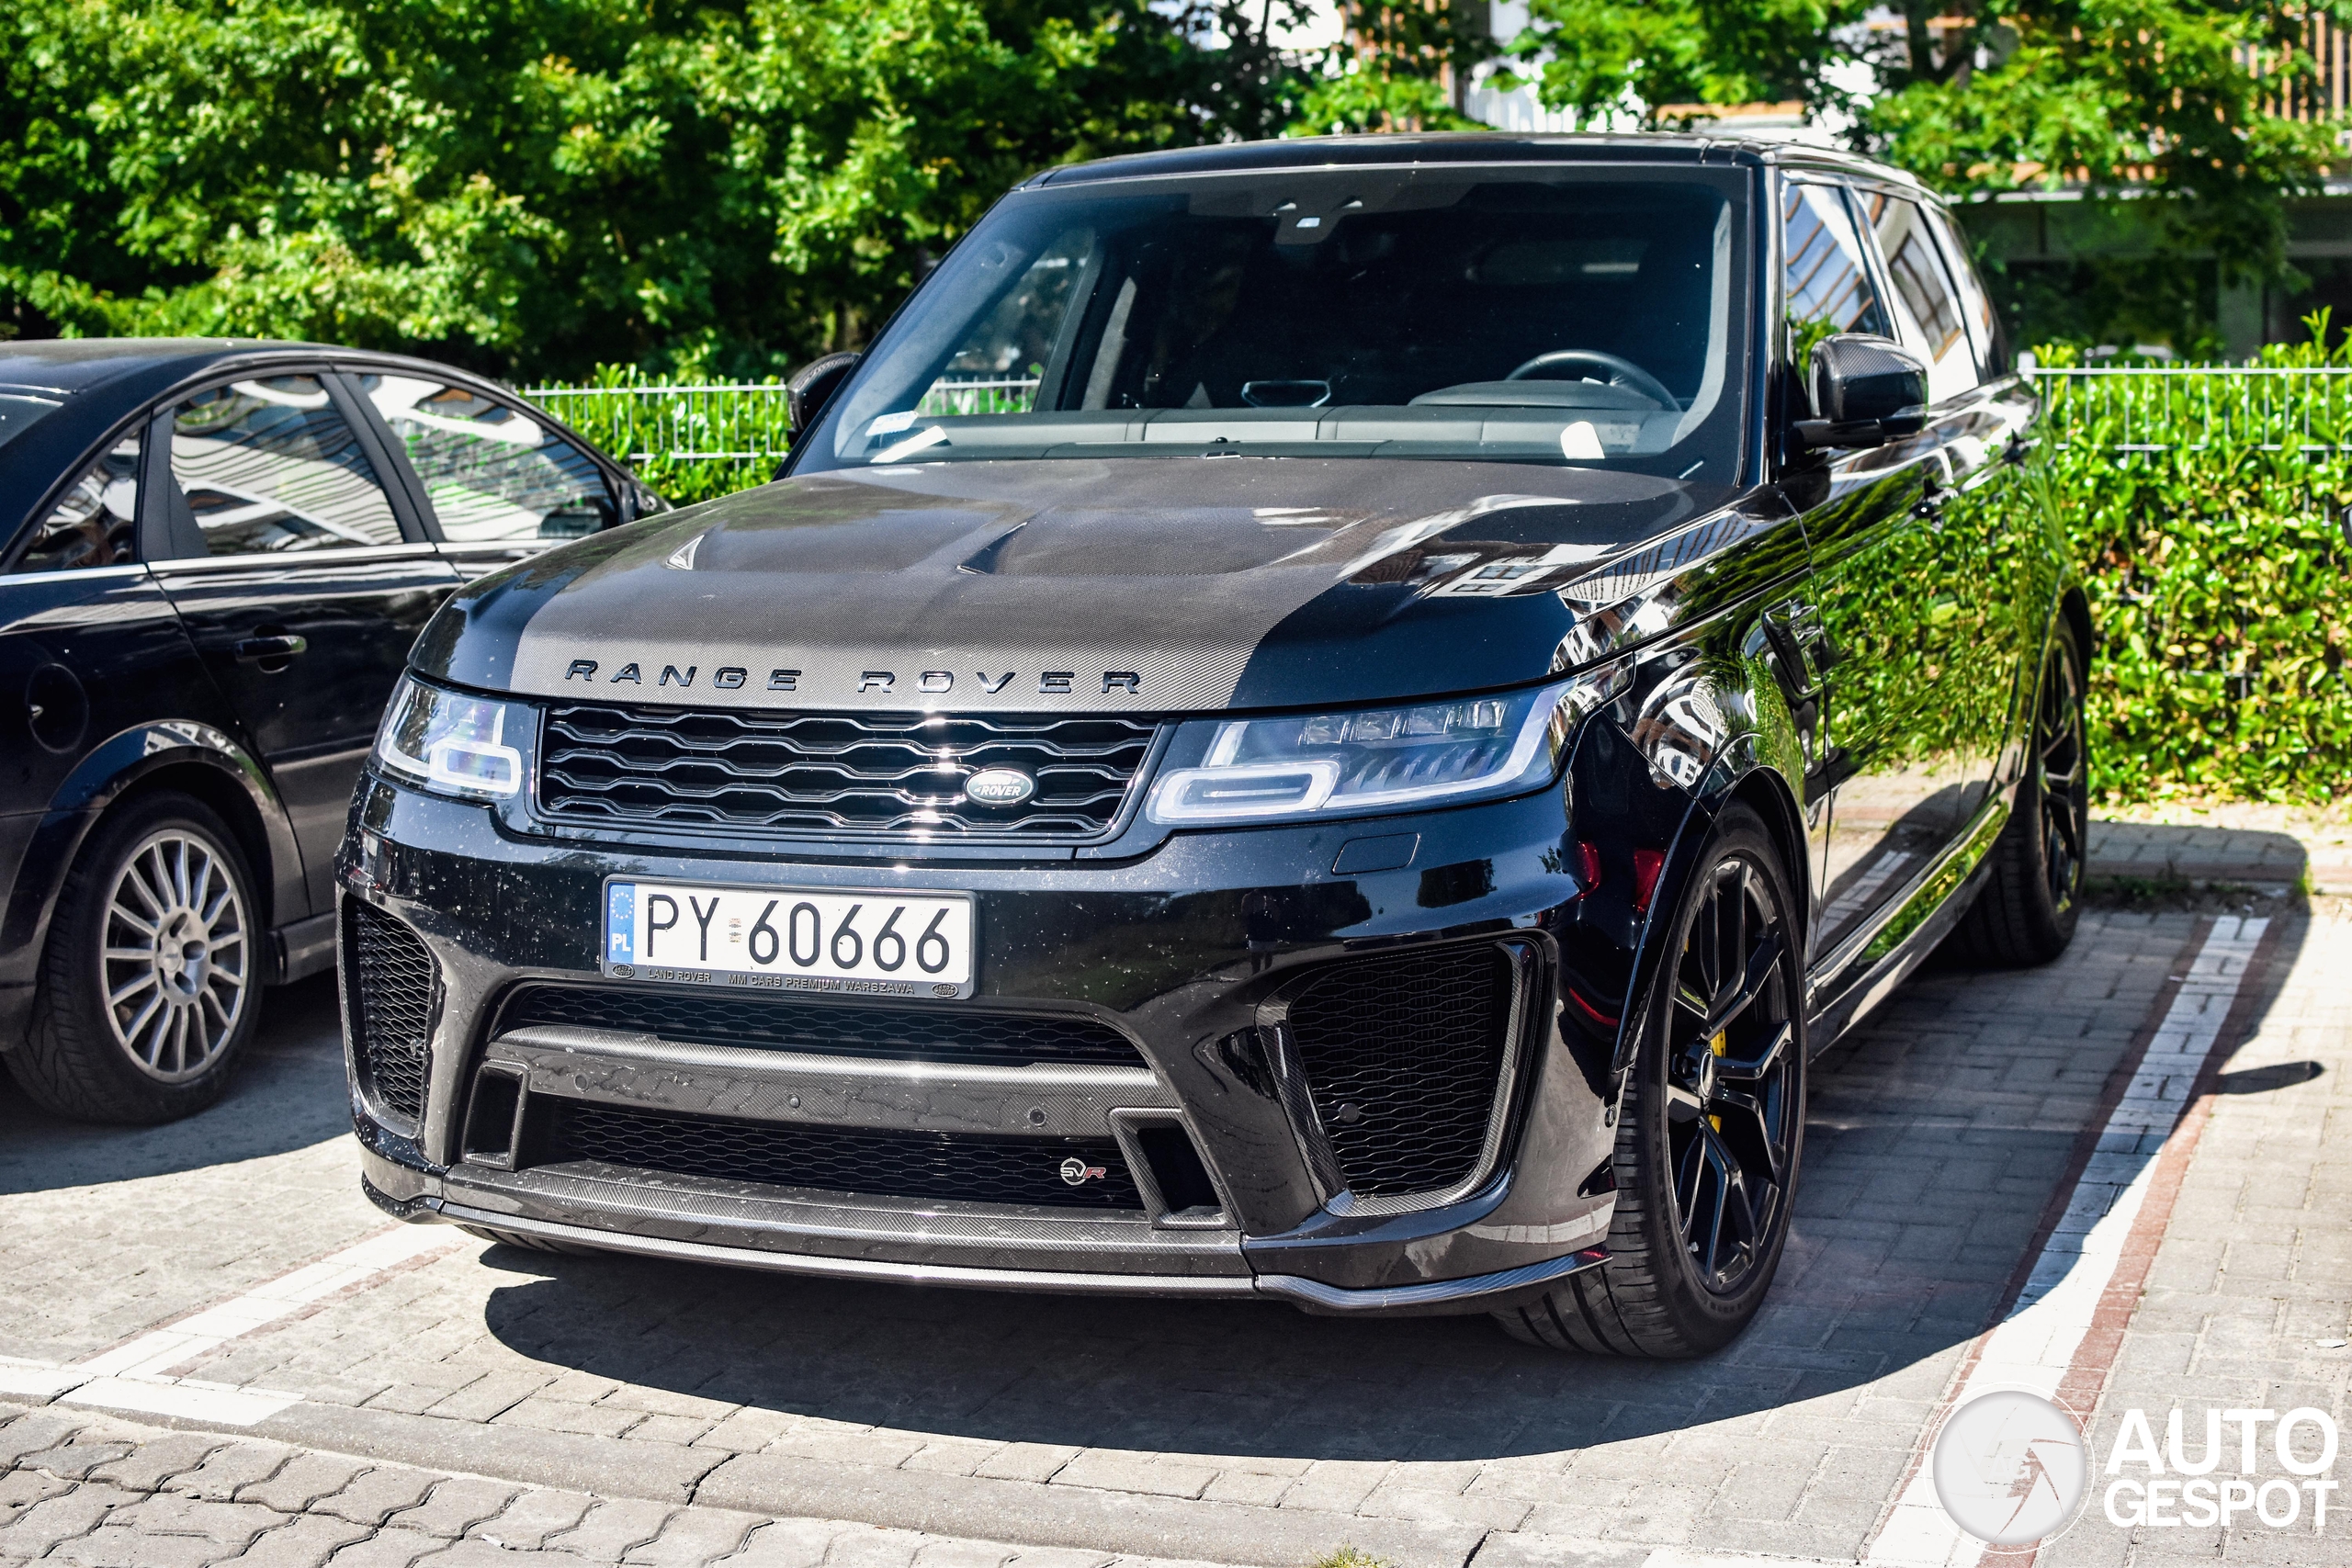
(855, 941)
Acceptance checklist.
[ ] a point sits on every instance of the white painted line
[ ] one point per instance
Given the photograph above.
(2033, 1346)
(186, 1398)
(136, 1375)
(40, 1380)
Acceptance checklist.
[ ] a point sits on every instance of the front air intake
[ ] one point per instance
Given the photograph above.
(391, 978)
(1404, 1059)
(1062, 1173)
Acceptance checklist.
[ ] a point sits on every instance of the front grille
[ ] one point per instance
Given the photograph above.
(944, 1034)
(865, 1162)
(392, 1011)
(800, 773)
(1403, 1057)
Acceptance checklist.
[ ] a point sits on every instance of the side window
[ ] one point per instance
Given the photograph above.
(492, 473)
(269, 468)
(1975, 304)
(96, 522)
(1827, 286)
(1928, 304)
(999, 366)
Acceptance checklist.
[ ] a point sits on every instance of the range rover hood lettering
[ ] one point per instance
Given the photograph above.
(1131, 586)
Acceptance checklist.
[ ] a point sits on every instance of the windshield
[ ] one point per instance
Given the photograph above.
(1548, 314)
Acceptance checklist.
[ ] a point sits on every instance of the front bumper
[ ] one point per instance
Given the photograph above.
(1191, 952)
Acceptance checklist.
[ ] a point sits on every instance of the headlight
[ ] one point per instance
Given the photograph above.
(453, 744)
(1375, 759)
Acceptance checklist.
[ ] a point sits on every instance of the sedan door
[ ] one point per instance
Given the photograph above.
(301, 577)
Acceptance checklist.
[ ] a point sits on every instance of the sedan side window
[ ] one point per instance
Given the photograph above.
(1932, 319)
(1827, 284)
(493, 473)
(96, 522)
(269, 468)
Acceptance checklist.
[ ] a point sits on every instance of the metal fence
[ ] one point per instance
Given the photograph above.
(722, 422)
(715, 423)
(2123, 409)
(2193, 408)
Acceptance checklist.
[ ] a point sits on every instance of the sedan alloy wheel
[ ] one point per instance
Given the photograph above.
(177, 963)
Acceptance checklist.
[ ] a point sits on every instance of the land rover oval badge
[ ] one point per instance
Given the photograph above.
(999, 787)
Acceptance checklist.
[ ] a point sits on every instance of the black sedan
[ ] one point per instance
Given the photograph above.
(213, 557)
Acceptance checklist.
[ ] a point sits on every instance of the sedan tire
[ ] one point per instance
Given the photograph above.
(150, 984)
(1711, 1126)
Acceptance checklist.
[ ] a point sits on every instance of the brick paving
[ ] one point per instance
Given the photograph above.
(613, 1392)
(104, 1494)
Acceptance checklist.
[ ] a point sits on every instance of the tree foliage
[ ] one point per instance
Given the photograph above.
(2173, 96)
(1394, 66)
(536, 187)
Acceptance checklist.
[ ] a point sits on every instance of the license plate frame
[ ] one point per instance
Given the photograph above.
(732, 928)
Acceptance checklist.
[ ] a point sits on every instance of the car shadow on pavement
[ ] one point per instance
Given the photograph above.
(1937, 1135)
(288, 1095)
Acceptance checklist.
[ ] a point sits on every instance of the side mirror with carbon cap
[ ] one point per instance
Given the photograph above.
(1867, 391)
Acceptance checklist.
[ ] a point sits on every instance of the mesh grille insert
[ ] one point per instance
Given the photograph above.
(862, 1161)
(1403, 1057)
(789, 772)
(392, 1008)
(917, 1034)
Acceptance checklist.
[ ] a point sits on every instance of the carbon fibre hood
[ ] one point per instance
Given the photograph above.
(1128, 585)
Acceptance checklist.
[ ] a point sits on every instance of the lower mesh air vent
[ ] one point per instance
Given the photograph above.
(391, 1010)
(944, 1034)
(1403, 1057)
(866, 1162)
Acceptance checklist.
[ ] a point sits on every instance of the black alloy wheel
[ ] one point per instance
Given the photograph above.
(1730, 1035)
(1710, 1128)
(2032, 894)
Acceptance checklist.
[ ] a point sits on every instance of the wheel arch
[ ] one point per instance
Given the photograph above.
(1742, 778)
(147, 758)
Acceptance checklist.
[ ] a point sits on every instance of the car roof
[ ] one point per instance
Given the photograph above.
(1463, 146)
(69, 365)
(75, 365)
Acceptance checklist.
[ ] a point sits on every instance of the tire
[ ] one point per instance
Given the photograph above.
(1711, 1130)
(186, 988)
(2028, 908)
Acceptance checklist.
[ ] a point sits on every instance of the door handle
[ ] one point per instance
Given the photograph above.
(263, 650)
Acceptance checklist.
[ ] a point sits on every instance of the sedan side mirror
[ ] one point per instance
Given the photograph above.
(812, 385)
(1867, 391)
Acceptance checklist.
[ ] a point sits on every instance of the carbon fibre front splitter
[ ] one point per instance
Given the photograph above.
(1480, 1293)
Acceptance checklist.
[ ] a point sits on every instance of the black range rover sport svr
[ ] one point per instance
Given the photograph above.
(1332, 721)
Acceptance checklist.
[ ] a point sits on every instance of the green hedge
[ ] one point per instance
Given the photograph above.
(2215, 561)
(2215, 569)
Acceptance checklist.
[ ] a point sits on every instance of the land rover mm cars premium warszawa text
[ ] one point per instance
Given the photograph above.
(1332, 721)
